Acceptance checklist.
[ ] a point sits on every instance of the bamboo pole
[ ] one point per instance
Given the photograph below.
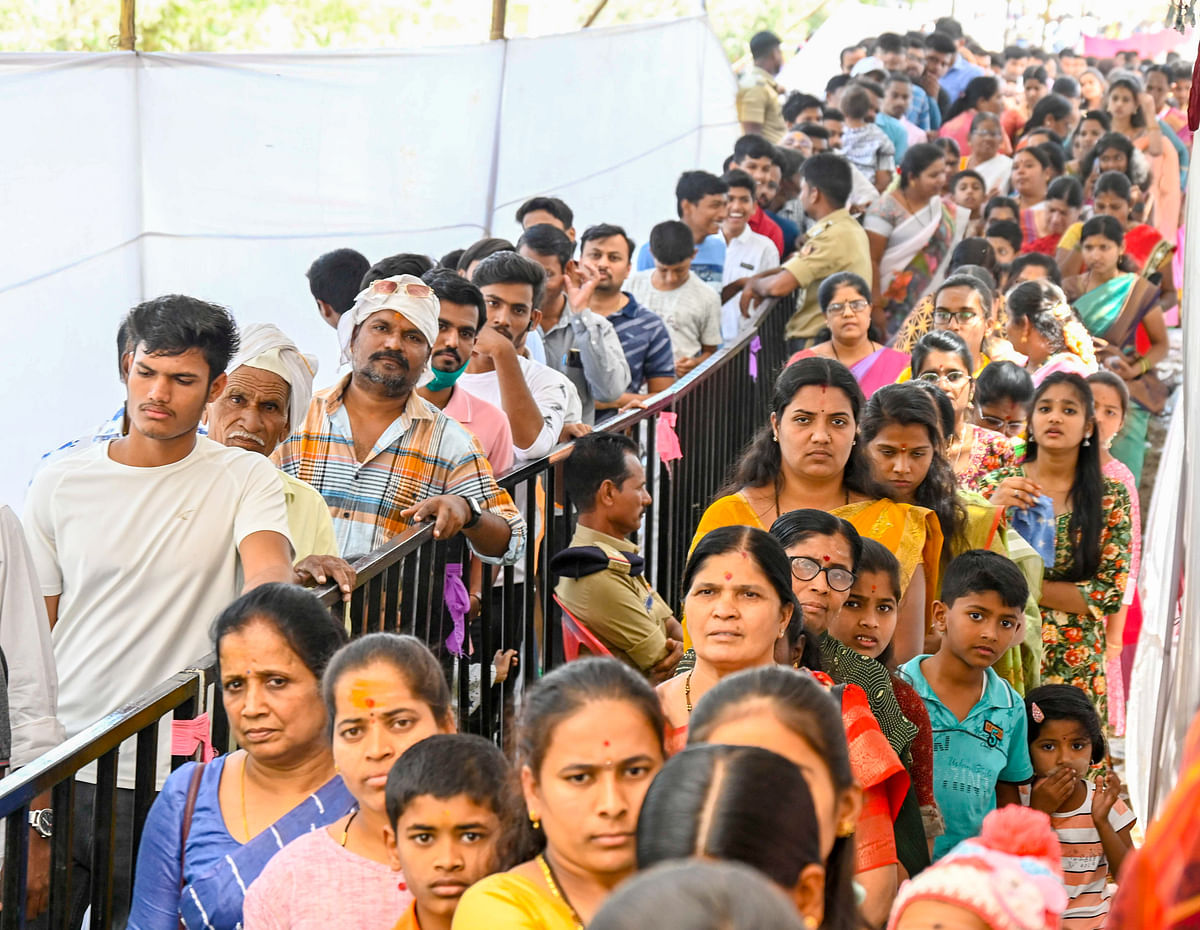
(499, 14)
(596, 12)
(128, 36)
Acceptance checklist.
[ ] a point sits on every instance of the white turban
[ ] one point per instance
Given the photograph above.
(407, 295)
(265, 346)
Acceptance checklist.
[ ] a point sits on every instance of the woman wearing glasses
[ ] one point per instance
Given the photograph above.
(943, 359)
(990, 152)
(845, 299)
(806, 456)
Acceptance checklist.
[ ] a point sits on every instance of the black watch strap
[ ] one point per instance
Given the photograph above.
(476, 511)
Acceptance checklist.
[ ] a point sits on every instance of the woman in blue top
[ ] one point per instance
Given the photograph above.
(272, 646)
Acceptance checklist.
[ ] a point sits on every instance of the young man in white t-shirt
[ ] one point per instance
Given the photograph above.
(141, 541)
(690, 308)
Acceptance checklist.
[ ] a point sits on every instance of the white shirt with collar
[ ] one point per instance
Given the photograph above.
(745, 255)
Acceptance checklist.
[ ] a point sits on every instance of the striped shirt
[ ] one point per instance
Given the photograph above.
(1085, 867)
(422, 454)
(646, 342)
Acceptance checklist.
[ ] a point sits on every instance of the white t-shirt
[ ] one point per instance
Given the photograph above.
(143, 560)
(553, 393)
(745, 256)
(692, 311)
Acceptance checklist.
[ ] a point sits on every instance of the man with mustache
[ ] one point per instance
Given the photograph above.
(269, 388)
(384, 458)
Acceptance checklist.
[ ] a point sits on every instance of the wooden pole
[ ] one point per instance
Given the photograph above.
(128, 36)
(596, 12)
(499, 14)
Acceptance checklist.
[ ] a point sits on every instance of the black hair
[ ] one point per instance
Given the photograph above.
(1004, 380)
(800, 703)
(906, 405)
(1103, 225)
(977, 271)
(873, 86)
(941, 402)
(917, 159)
(1036, 73)
(813, 131)
(334, 277)
(405, 654)
(552, 205)
(842, 54)
(763, 43)
(450, 259)
(831, 175)
(944, 144)
(1064, 86)
(833, 114)
(836, 83)
(1008, 230)
(980, 570)
(1066, 189)
(976, 252)
(303, 621)
(968, 173)
(940, 340)
(751, 145)
(1036, 301)
(1021, 262)
(125, 346)
(1013, 52)
(1097, 116)
(761, 462)
(595, 458)
(1065, 702)
(1001, 201)
(567, 690)
(796, 103)
(1056, 158)
(879, 559)
(707, 803)
(480, 250)
(913, 39)
(412, 263)
(941, 43)
(545, 239)
(948, 25)
(736, 177)
(966, 279)
(1114, 182)
(830, 285)
(511, 268)
(763, 548)
(856, 102)
(890, 42)
(795, 526)
(697, 895)
(450, 285)
(1087, 489)
(1134, 169)
(788, 160)
(671, 242)
(898, 77)
(983, 87)
(1116, 382)
(1131, 84)
(1055, 106)
(694, 186)
(174, 324)
(449, 765)
(605, 231)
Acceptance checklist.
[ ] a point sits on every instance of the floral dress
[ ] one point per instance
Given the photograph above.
(1074, 643)
(989, 451)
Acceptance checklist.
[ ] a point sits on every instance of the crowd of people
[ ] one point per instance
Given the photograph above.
(891, 694)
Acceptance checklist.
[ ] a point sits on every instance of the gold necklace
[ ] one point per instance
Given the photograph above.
(548, 874)
(687, 690)
(245, 821)
(346, 829)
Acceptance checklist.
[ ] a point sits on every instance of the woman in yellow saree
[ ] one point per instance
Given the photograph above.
(807, 457)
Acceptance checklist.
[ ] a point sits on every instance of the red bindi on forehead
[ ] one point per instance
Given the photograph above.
(729, 576)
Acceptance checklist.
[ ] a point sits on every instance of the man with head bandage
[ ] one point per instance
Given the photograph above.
(269, 388)
(385, 459)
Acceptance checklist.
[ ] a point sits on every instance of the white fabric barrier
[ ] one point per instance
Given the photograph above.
(222, 176)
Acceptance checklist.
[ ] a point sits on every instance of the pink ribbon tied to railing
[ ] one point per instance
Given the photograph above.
(666, 439)
(755, 346)
(458, 603)
(186, 735)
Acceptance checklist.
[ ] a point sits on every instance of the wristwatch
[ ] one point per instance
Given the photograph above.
(476, 511)
(43, 822)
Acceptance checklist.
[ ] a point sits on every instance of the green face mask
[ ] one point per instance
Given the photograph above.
(444, 379)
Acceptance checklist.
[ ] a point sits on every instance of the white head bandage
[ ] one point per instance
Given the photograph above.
(405, 294)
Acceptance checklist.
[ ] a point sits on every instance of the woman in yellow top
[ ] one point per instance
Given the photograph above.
(590, 741)
(806, 457)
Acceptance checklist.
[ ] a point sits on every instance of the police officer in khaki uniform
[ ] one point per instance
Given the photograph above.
(758, 106)
(601, 581)
(837, 242)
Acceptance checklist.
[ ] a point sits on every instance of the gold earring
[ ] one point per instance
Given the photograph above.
(845, 828)
(810, 922)
(534, 822)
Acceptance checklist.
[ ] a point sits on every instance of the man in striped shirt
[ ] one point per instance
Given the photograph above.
(383, 458)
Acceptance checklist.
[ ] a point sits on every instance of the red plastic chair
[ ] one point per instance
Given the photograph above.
(577, 636)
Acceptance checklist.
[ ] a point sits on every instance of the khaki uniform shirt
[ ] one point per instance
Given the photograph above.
(619, 607)
(758, 102)
(836, 243)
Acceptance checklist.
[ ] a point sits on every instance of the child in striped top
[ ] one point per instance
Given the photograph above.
(1093, 824)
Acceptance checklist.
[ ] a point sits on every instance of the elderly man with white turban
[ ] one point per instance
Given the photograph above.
(383, 458)
(267, 392)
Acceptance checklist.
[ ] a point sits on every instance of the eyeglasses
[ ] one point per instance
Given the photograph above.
(853, 306)
(806, 569)
(987, 133)
(952, 378)
(1007, 427)
(943, 317)
(411, 289)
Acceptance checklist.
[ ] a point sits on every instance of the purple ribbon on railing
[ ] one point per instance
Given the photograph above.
(755, 345)
(186, 735)
(666, 439)
(458, 602)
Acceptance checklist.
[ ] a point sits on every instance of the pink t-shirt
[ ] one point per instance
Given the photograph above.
(315, 884)
(487, 423)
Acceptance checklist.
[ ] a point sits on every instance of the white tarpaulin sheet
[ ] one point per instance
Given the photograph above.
(222, 176)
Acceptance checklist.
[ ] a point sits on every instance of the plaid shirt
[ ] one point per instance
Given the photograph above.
(422, 454)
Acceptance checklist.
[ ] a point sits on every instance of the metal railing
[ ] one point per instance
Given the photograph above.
(400, 588)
